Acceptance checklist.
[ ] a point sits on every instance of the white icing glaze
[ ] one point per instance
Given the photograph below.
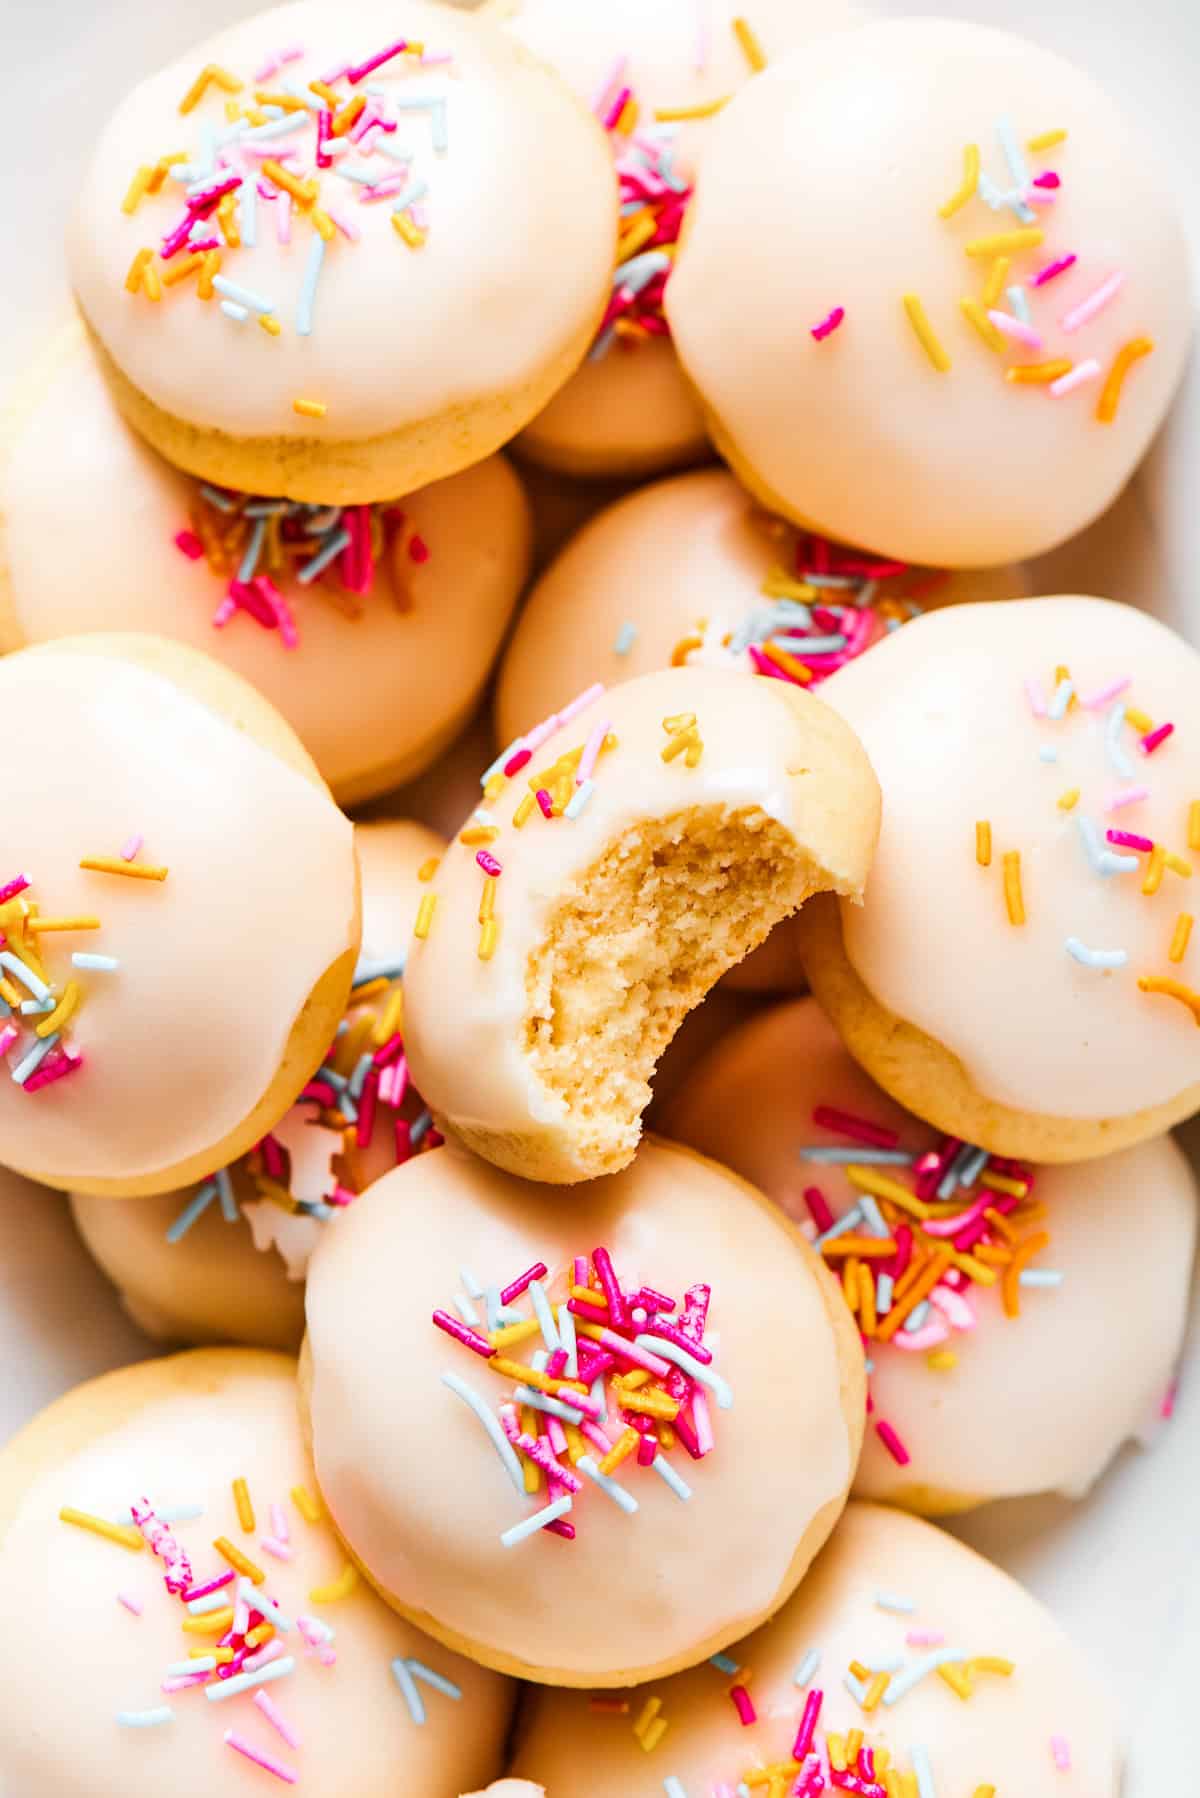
(1001, 1735)
(362, 694)
(396, 335)
(1036, 1404)
(186, 1447)
(468, 1056)
(861, 137)
(941, 709)
(392, 1443)
(215, 962)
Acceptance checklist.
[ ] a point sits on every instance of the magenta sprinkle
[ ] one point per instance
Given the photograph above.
(1058, 267)
(462, 1333)
(55, 1067)
(418, 549)
(618, 1310)
(521, 1284)
(1048, 180)
(556, 1366)
(489, 864)
(190, 544)
(828, 324)
(808, 1724)
(819, 1210)
(851, 1782)
(695, 1312)
(846, 1123)
(742, 1705)
(368, 1100)
(617, 108)
(1125, 839)
(363, 69)
(520, 758)
(659, 1326)
(17, 884)
(324, 133)
(892, 1443)
(1152, 739)
(212, 1585)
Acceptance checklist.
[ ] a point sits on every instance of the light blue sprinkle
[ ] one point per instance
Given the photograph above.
(807, 1670)
(490, 1422)
(200, 1607)
(1061, 699)
(842, 582)
(600, 1397)
(308, 290)
(630, 207)
(25, 975)
(331, 1077)
(316, 1209)
(566, 1335)
(696, 1370)
(384, 967)
(41, 1006)
(34, 1059)
(410, 196)
(891, 1601)
(249, 561)
(602, 345)
(258, 1600)
(1018, 168)
(220, 1690)
(167, 1514)
(1019, 303)
(332, 549)
(248, 211)
(364, 177)
(886, 1663)
(358, 1078)
(1047, 753)
(884, 1286)
(924, 1772)
(901, 1684)
(441, 128)
(408, 1685)
(1113, 726)
(232, 310)
(265, 508)
(466, 1310)
(579, 799)
(438, 1681)
(222, 501)
(673, 1787)
(543, 1313)
(540, 1401)
(203, 1663)
(393, 152)
(972, 1167)
(742, 1789)
(1039, 1276)
(229, 1207)
(855, 1154)
(421, 1126)
(1109, 863)
(849, 1221)
(1095, 958)
(1103, 860)
(610, 1487)
(856, 1687)
(529, 1526)
(470, 1282)
(868, 1364)
(873, 1217)
(146, 1719)
(484, 817)
(818, 646)
(281, 126)
(989, 193)
(665, 1471)
(723, 1663)
(953, 1174)
(916, 1318)
(638, 272)
(254, 302)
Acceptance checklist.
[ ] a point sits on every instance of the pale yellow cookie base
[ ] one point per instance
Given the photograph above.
(328, 470)
(233, 699)
(929, 1080)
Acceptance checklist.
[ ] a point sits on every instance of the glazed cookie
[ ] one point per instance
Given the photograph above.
(655, 77)
(372, 628)
(625, 1399)
(226, 1262)
(1030, 903)
(187, 1477)
(510, 1788)
(973, 300)
(330, 173)
(630, 848)
(986, 1292)
(181, 916)
(905, 1665)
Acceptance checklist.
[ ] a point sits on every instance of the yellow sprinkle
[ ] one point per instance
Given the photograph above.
(881, 1186)
(38, 925)
(262, 1632)
(1156, 861)
(653, 1735)
(425, 913)
(285, 102)
(215, 1623)
(941, 1360)
(341, 1587)
(679, 721)
(640, 230)
(123, 1534)
(1123, 361)
(308, 1507)
(1180, 936)
(180, 267)
(881, 1681)
(212, 266)
(649, 1710)
(983, 843)
(703, 109)
(137, 269)
(310, 408)
(1171, 989)
(576, 1445)
(328, 94)
(628, 121)
(997, 275)
(854, 1741)
(511, 1334)
(1139, 720)
(245, 1510)
(1068, 800)
(977, 315)
(245, 1566)
(990, 1663)
(152, 282)
(753, 51)
(222, 1656)
(1014, 899)
(908, 1786)
(211, 75)
(162, 169)
(62, 1011)
(1193, 825)
(404, 227)
(956, 1678)
(836, 1748)
(866, 1300)
(322, 224)
(1177, 865)
(487, 901)
(779, 585)
(970, 182)
(138, 187)
(1004, 1183)
(112, 864)
(1038, 374)
(478, 833)
(621, 1450)
(1045, 140)
(489, 934)
(926, 335)
(650, 1404)
(1005, 243)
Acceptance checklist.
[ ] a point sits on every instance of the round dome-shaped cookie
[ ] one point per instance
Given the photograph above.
(284, 244)
(631, 848)
(371, 628)
(226, 1262)
(655, 76)
(180, 914)
(963, 352)
(511, 1397)
(188, 1476)
(1021, 973)
(986, 1386)
(844, 1690)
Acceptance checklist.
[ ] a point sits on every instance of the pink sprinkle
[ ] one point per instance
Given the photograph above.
(581, 1270)
(1152, 739)
(591, 752)
(280, 1550)
(190, 544)
(283, 219)
(1167, 1408)
(8, 1037)
(183, 1682)
(629, 1351)
(702, 1420)
(462, 1333)
(595, 1435)
(1125, 796)
(828, 324)
(953, 1226)
(1039, 196)
(892, 1442)
(857, 1128)
(363, 69)
(1061, 1750)
(279, 1523)
(488, 863)
(1036, 698)
(822, 1216)
(1127, 839)
(252, 1663)
(917, 1341)
(581, 702)
(345, 225)
(17, 884)
(1051, 269)
(1014, 328)
(1075, 377)
(1103, 695)
(275, 1717)
(1094, 303)
(266, 69)
(386, 186)
(808, 1724)
(522, 1283)
(953, 1307)
(742, 1705)
(557, 1436)
(266, 1761)
(925, 1638)
(131, 1604)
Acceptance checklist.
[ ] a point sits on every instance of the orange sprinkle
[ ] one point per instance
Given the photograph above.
(867, 1248)
(1014, 899)
(38, 925)
(211, 75)
(262, 1632)
(621, 1450)
(1038, 374)
(875, 1691)
(850, 1282)
(1023, 1253)
(683, 650)
(920, 1289)
(478, 833)
(790, 664)
(1193, 825)
(322, 224)
(1180, 936)
(137, 270)
(1171, 989)
(310, 408)
(429, 868)
(349, 116)
(983, 843)
(331, 98)
(1123, 361)
(180, 267)
(303, 192)
(244, 1565)
(162, 169)
(285, 102)
(138, 187)
(866, 1300)
(152, 281)
(112, 864)
(212, 266)
(1156, 862)
(227, 220)
(245, 1510)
